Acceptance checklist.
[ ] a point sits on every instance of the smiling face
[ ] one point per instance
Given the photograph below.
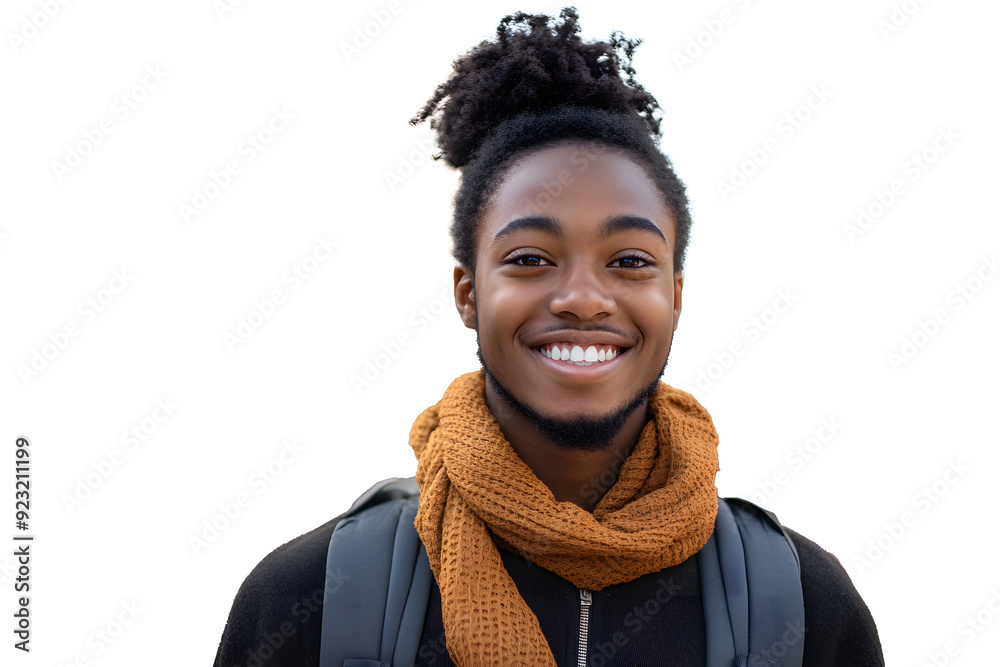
(574, 298)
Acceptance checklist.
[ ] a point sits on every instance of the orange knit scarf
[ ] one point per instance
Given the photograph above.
(660, 511)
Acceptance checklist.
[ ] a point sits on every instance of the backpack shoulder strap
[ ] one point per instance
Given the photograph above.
(377, 581)
(387, 489)
(751, 590)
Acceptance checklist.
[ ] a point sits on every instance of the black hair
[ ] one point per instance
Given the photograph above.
(539, 86)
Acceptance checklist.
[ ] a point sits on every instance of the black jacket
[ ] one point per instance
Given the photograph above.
(657, 619)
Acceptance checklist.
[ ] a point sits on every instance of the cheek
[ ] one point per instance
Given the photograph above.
(652, 311)
(506, 307)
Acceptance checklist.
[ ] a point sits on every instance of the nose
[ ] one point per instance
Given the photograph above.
(585, 292)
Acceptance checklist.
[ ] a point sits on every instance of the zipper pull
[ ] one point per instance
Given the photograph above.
(586, 597)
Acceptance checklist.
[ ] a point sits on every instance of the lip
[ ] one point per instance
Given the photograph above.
(574, 373)
(582, 338)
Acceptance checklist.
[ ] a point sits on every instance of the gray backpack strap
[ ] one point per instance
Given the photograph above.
(378, 582)
(387, 489)
(751, 590)
(410, 579)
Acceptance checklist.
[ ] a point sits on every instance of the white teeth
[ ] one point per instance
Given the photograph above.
(578, 355)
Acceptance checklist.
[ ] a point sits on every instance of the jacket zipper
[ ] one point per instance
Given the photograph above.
(586, 599)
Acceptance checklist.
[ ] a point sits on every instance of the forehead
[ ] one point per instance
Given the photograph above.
(578, 184)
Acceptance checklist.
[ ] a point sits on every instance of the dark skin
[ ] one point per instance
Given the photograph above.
(571, 280)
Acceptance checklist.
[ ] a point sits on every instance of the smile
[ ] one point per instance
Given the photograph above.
(579, 355)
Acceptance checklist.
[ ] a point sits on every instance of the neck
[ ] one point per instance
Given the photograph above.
(577, 476)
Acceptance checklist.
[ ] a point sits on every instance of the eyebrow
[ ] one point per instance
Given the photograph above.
(615, 224)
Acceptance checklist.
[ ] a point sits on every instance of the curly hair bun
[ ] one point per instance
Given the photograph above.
(536, 63)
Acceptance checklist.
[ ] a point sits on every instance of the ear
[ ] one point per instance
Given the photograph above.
(678, 286)
(465, 296)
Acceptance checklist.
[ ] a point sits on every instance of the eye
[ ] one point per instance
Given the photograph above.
(632, 261)
(526, 257)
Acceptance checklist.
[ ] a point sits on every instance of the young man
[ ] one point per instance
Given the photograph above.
(567, 496)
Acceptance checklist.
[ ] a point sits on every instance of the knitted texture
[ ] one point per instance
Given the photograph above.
(660, 511)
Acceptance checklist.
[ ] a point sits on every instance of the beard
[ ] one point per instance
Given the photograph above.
(577, 433)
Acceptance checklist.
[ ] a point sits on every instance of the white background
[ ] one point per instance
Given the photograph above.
(63, 234)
